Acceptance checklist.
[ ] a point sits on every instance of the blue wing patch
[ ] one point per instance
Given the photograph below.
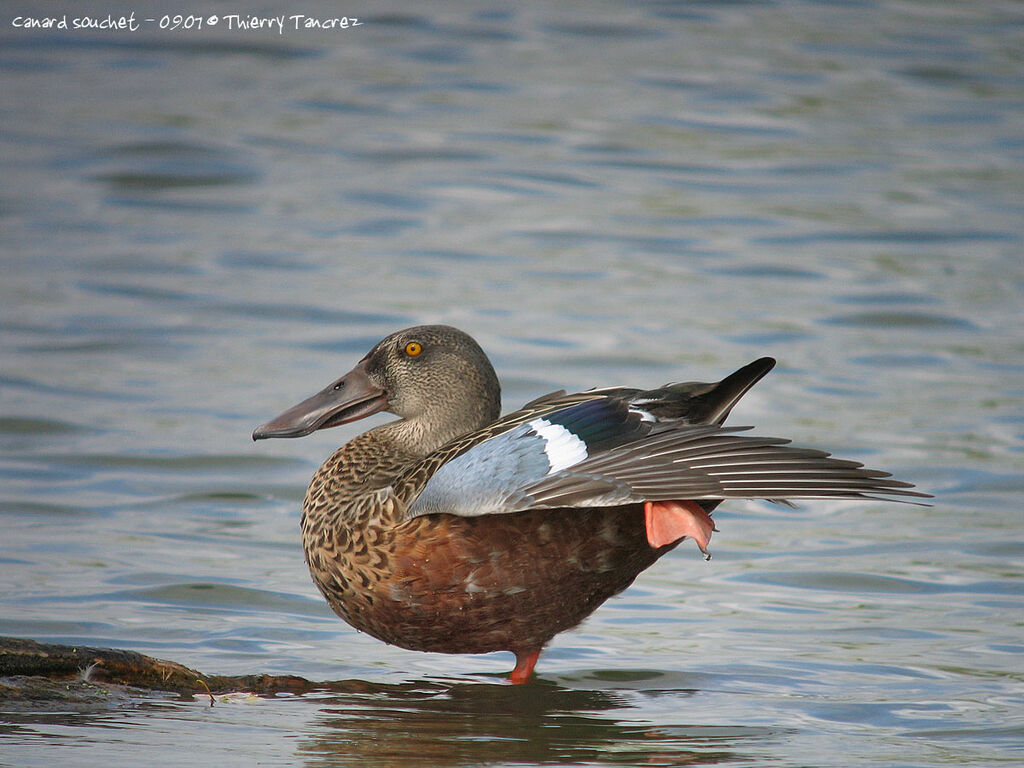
(480, 481)
(489, 477)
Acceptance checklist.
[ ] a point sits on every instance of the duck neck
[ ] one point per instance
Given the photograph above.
(419, 436)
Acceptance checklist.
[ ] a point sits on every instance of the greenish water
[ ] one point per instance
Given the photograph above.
(199, 228)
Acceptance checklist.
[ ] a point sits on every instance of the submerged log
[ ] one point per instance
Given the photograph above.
(20, 659)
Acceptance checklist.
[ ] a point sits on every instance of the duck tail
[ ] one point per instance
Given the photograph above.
(700, 403)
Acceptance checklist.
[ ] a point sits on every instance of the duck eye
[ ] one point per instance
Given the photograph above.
(413, 348)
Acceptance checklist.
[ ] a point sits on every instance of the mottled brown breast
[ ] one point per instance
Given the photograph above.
(473, 585)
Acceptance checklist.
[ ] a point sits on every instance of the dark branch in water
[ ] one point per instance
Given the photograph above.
(22, 659)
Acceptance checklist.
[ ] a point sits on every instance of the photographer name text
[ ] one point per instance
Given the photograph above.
(297, 22)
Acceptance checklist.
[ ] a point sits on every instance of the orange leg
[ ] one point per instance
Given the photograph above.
(525, 661)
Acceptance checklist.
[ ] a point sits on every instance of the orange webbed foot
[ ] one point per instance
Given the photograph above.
(670, 521)
(525, 662)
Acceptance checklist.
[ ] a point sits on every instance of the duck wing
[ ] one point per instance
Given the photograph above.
(620, 446)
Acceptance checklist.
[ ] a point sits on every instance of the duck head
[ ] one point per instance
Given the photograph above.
(435, 378)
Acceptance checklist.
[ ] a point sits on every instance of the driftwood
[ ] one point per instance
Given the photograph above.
(23, 661)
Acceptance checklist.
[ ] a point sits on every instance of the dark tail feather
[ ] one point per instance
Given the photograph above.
(695, 402)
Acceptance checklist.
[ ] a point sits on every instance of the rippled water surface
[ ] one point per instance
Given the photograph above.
(200, 228)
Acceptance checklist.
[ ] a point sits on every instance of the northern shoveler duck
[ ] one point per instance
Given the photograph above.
(454, 530)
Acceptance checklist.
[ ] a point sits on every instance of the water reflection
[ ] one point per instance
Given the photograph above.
(438, 724)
